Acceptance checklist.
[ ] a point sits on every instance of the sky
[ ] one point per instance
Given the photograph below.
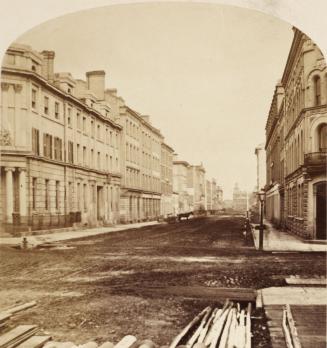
(205, 73)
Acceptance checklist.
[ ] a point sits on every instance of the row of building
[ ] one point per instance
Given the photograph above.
(73, 151)
(296, 143)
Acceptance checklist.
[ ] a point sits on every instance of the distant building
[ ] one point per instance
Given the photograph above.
(167, 201)
(196, 186)
(261, 166)
(240, 199)
(296, 143)
(180, 186)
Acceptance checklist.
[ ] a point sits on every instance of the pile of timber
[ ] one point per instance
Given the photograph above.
(226, 327)
(25, 336)
(8, 313)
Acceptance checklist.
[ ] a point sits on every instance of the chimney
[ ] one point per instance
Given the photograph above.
(96, 83)
(47, 66)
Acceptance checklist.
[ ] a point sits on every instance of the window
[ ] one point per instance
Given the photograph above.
(98, 161)
(34, 190)
(78, 157)
(35, 141)
(34, 96)
(46, 105)
(84, 124)
(46, 196)
(107, 162)
(99, 132)
(84, 156)
(323, 138)
(92, 158)
(57, 149)
(317, 91)
(85, 197)
(69, 117)
(56, 110)
(70, 152)
(111, 162)
(57, 194)
(78, 120)
(79, 196)
(47, 145)
(92, 129)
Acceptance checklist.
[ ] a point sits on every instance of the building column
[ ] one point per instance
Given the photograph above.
(22, 194)
(9, 194)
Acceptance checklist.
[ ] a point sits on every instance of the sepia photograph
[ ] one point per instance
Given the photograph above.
(163, 174)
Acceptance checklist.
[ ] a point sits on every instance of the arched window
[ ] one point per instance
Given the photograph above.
(323, 138)
(317, 90)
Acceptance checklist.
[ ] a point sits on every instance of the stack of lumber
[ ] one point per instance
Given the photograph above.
(8, 313)
(226, 327)
(18, 335)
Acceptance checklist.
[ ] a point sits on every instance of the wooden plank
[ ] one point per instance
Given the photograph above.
(188, 327)
(126, 342)
(17, 335)
(35, 342)
(291, 324)
(21, 307)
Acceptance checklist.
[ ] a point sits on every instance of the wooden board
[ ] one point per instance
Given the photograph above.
(35, 342)
(205, 292)
(17, 335)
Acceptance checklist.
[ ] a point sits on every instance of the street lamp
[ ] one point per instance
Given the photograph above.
(261, 196)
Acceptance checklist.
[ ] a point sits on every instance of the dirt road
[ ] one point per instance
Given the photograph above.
(105, 287)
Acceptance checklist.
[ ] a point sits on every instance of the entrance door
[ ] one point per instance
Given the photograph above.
(321, 210)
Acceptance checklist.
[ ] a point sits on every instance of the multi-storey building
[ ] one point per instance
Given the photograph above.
(296, 141)
(180, 176)
(261, 167)
(167, 201)
(60, 145)
(240, 199)
(141, 158)
(213, 195)
(196, 186)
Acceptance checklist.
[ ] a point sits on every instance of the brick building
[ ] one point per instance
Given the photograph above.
(296, 142)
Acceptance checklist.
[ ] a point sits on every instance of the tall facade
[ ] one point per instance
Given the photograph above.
(240, 199)
(196, 186)
(167, 200)
(141, 165)
(180, 185)
(296, 142)
(261, 166)
(60, 145)
(72, 151)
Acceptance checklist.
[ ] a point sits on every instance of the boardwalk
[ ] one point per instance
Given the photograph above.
(310, 321)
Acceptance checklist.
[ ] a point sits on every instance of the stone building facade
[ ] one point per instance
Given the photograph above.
(240, 199)
(180, 185)
(167, 199)
(73, 152)
(296, 142)
(141, 158)
(60, 145)
(196, 186)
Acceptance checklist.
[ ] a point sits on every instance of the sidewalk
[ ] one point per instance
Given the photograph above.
(294, 295)
(67, 235)
(276, 240)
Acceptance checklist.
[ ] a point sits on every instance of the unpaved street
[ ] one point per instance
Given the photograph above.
(105, 287)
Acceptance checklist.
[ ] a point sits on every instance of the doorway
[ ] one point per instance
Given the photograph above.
(321, 210)
(100, 203)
